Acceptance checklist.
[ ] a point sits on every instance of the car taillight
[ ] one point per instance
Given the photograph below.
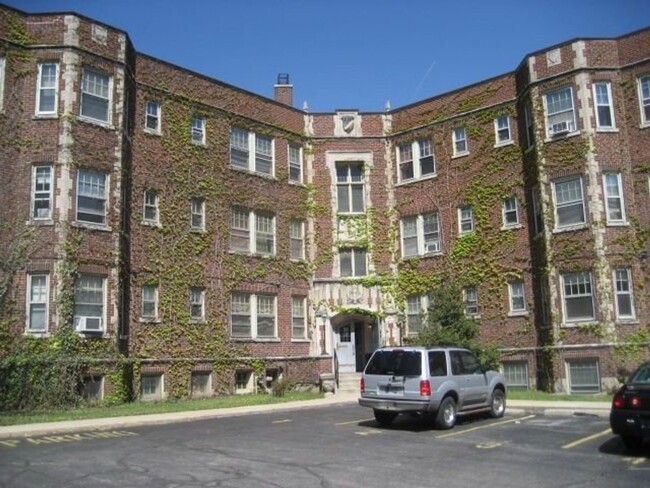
(618, 401)
(425, 388)
(362, 386)
(635, 402)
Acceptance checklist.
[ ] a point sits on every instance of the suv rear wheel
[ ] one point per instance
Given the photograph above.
(497, 404)
(446, 415)
(384, 418)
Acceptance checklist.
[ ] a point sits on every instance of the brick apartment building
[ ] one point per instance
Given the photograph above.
(211, 236)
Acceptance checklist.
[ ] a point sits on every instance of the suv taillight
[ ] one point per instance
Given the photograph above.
(362, 385)
(425, 388)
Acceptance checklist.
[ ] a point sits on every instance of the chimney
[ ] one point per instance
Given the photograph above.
(284, 90)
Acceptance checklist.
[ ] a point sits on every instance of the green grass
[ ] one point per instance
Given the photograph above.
(559, 397)
(144, 408)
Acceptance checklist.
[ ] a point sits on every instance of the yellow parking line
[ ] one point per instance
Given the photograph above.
(587, 439)
(495, 424)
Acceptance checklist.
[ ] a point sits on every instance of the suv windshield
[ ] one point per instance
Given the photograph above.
(396, 362)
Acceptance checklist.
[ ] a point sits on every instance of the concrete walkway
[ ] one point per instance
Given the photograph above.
(600, 409)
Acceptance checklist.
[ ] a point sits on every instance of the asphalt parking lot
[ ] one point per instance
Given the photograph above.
(333, 446)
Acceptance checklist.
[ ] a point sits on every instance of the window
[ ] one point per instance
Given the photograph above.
(578, 297)
(2, 83)
(251, 152)
(298, 327)
(96, 96)
(92, 389)
(197, 214)
(297, 237)
(37, 302)
(560, 118)
(644, 99)
(198, 130)
(517, 297)
(510, 212)
(89, 300)
(460, 141)
(152, 117)
(465, 219)
(537, 210)
(569, 205)
(350, 187)
(243, 222)
(42, 192)
(150, 207)
(470, 297)
(197, 304)
(614, 198)
(151, 387)
(530, 126)
(295, 163)
(149, 302)
(47, 89)
(516, 374)
(603, 106)
(421, 235)
(253, 316)
(201, 384)
(584, 376)
(420, 152)
(91, 197)
(416, 309)
(243, 382)
(502, 130)
(623, 291)
(352, 262)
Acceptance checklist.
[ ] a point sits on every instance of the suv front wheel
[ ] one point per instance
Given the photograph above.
(446, 415)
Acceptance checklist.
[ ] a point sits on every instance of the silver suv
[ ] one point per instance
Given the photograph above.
(441, 381)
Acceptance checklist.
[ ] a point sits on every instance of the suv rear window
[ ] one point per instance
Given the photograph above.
(396, 362)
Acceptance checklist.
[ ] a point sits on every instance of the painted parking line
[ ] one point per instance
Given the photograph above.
(58, 439)
(284, 421)
(487, 426)
(575, 443)
(354, 421)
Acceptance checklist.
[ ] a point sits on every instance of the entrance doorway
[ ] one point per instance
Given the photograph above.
(354, 342)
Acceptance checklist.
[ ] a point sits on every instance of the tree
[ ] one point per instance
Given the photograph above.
(447, 325)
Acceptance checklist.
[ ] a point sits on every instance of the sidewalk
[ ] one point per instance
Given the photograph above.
(515, 407)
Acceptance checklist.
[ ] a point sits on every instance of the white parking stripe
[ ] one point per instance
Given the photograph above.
(495, 424)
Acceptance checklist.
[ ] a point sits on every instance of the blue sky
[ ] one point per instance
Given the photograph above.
(353, 53)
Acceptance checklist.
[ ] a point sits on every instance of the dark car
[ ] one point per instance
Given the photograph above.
(630, 414)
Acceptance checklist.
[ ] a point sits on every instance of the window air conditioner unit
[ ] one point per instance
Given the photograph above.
(89, 324)
(560, 128)
(435, 247)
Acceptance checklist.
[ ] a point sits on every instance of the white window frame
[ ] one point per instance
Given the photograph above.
(358, 259)
(460, 142)
(155, 380)
(297, 239)
(197, 130)
(614, 181)
(197, 302)
(623, 290)
(41, 193)
(298, 318)
(577, 285)
(148, 300)
(502, 131)
(416, 305)
(254, 150)
(197, 212)
(346, 185)
(97, 94)
(573, 366)
(603, 100)
(84, 285)
(428, 241)
(99, 192)
(562, 120)
(2, 83)
(296, 167)
(150, 202)
(152, 115)
(245, 224)
(510, 206)
(37, 298)
(470, 299)
(570, 202)
(643, 84)
(416, 155)
(516, 374)
(52, 85)
(466, 222)
(252, 307)
(517, 297)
